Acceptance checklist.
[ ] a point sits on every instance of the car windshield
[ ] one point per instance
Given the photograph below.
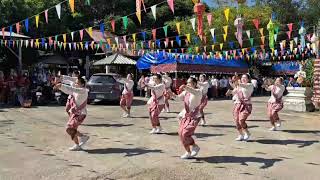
(102, 79)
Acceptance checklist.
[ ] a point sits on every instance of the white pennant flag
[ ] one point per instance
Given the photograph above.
(70, 47)
(46, 45)
(127, 45)
(275, 37)
(166, 44)
(193, 22)
(27, 43)
(248, 33)
(296, 40)
(154, 11)
(212, 32)
(58, 8)
(117, 40)
(21, 43)
(72, 36)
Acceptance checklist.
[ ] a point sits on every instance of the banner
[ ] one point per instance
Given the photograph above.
(58, 9)
(193, 23)
(226, 14)
(154, 11)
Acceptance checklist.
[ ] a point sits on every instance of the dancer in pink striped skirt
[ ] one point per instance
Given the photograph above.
(204, 86)
(189, 117)
(156, 103)
(275, 103)
(242, 105)
(127, 96)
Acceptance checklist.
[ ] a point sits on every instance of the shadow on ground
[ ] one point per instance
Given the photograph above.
(108, 125)
(301, 131)
(5, 123)
(239, 160)
(227, 126)
(198, 135)
(128, 152)
(300, 143)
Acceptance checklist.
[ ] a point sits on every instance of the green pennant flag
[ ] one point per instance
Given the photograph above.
(276, 29)
(101, 43)
(165, 29)
(251, 41)
(190, 50)
(17, 42)
(88, 3)
(56, 38)
(60, 46)
(125, 22)
(1, 42)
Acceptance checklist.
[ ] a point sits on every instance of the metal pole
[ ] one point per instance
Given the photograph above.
(20, 60)
(87, 67)
(318, 35)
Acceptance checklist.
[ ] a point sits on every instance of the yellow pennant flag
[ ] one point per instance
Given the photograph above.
(243, 50)
(109, 41)
(90, 31)
(197, 49)
(225, 28)
(284, 43)
(188, 37)
(263, 39)
(37, 43)
(226, 13)
(225, 37)
(261, 31)
(37, 21)
(221, 46)
(64, 37)
(272, 50)
(71, 3)
(212, 47)
(64, 46)
(134, 37)
(178, 27)
(138, 14)
(78, 47)
(195, 1)
(169, 50)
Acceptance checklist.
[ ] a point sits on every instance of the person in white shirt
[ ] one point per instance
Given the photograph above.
(215, 87)
(141, 85)
(275, 103)
(127, 95)
(255, 85)
(69, 81)
(223, 86)
(156, 103)
(190, 116)
(242, 105)
(77, 112)
(167, 82)
(204, 86)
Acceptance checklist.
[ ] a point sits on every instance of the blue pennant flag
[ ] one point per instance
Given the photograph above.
(10, 29)
(42, 42)
(158, 43)
(102, 29)
(26, 24)
(144, 36)
(231, 44)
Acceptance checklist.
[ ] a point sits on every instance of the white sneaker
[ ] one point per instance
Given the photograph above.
(246, 136)
(278, 124)
(159, 130)
(76, 147)
(239, 138)
(203, 123)
(273, 128)
(186, 156)
(125, 115)
(83, 140)
(153, 131)
(195, 150)
(168, 110)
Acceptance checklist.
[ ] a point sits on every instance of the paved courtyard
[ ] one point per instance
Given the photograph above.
(33, 145)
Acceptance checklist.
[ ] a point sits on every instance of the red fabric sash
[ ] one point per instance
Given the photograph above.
(74, 108)
(189, 116)
(278, 99)
(244, 103)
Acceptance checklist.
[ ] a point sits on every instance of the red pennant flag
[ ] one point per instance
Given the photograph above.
(46, 15)
(154, 34)
(50, 41)
(290, 26)
(3, 33)
(262, 46)
(149, 44)
(182, 50)
(256, 23)
(113, 25)
(18, 27)
(81, 34)
(309, 37)
(171, 43)
(289, 34)
(187, 42)
(209, 18)
(171, 5)
(205, 39)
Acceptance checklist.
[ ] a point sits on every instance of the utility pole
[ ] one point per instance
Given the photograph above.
(318, 35)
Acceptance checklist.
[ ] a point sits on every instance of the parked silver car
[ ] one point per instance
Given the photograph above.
(104, 87)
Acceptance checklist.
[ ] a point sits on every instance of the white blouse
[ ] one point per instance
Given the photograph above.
(129, 84)
(246, 89)
(167, 81)
(194, 100)
(279, 90)
(159, 91)
(80, 95)
(204, 86)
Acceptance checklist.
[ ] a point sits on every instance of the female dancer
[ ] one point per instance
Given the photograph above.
(275, 103)
(242, 105)
(167, 82)
(77, 112)
(189, 116)
(204, 86)
(156, 103)
(127, 95)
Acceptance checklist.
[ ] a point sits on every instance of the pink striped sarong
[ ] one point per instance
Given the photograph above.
(241, 111)
(274, 108)
(155, 109)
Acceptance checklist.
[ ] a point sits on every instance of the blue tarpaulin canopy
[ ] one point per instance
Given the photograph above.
(154, 59)
(286, 68)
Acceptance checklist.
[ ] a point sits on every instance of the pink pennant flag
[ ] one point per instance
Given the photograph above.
(309, 37)
(81, 34)
(154, 34)
(289, 34)
(290, 26)
(256, 23)
(209, 18)
(113, 25)
(46, 15)
(3, 33)
(171, 43)
(182, 50)
(149, 42)
(125, 39)
(187, 42)
(171, 5)
(50, 41)
(18, 27)
(31, 44)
